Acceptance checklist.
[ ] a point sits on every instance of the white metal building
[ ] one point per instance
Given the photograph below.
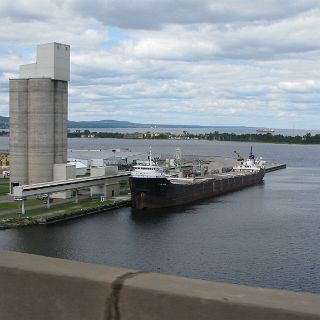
(98, 158)
(81, 169)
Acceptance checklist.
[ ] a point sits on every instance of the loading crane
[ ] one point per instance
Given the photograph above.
(239, 155)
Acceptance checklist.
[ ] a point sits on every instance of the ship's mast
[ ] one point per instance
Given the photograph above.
(150, 156)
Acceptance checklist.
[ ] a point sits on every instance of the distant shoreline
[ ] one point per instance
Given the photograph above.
(245, 137)
(274, 137)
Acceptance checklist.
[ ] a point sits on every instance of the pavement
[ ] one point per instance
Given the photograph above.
(6, 198)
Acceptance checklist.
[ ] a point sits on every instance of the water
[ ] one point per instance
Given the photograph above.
(267, 235)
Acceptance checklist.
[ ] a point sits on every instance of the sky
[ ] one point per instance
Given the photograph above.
(211, 62)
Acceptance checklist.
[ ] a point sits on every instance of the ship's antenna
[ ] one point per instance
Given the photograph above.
(251, 154)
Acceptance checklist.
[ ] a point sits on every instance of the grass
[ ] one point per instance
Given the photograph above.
(4, 189)
(58, 209)
(68, 207)
(17, 204)
(4, 186)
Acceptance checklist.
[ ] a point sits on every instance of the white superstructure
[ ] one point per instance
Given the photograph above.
(250, 165)
(247, 165)
(148, 172)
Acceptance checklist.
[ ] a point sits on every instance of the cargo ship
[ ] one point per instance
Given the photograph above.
(265, 130)
(152, 187)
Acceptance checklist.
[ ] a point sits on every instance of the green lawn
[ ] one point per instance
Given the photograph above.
(58, 209)
(67, 207)
(17, 204)
(4, 186)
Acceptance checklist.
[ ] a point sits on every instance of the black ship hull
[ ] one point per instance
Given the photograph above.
(161, 192)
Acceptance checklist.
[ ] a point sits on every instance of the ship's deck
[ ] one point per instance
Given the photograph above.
(217, 176)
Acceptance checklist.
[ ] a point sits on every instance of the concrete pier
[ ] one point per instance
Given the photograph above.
(275, 166)
(34, 287)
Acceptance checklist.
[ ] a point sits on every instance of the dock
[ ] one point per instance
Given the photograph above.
(274, 166)
(214, 164)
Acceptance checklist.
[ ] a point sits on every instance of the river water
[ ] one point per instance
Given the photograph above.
(266, 235)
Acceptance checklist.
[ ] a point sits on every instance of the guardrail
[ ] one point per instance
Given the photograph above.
(35, 287)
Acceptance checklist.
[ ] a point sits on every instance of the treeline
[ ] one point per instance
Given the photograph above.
(118, 135)
(245, 137)
(267, 137)
(88, 134)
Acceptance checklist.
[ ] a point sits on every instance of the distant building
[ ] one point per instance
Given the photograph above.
(150, 135)
(135, 135)
(98, 158)
(81, 169)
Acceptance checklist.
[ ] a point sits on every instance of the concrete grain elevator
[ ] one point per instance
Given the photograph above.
(38, 116)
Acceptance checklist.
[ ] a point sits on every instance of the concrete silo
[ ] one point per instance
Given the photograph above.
(19, 131)
(38, 115)
(41, 130)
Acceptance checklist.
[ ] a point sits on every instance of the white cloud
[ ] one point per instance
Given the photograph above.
(183, 61)
(305, 85)
(148, 14)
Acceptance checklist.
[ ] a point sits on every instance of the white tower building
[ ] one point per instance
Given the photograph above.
(38, 115)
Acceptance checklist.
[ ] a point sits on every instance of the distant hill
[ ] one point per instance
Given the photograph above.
(106, 124)
(127, 124)
(4, 124)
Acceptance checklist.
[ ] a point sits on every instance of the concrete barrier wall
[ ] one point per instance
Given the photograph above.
(35, 287)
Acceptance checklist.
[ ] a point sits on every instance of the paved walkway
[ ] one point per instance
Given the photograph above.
(6, 198)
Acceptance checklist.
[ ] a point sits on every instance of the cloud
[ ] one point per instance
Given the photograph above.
(300, 86)
(185, 62)
(152, 14)
(20, 11)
